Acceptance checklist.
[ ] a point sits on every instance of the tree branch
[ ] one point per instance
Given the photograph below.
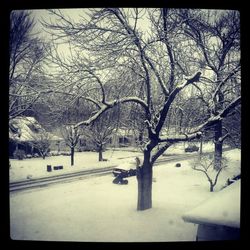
(160, 152)
(181, 138)
(214, 119)
(220, 85)
(110, 105)
(171, 98)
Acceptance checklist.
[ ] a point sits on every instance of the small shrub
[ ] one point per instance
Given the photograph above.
(205, 165)
(19, 154)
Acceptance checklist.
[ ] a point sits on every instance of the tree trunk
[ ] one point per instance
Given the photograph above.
(140, 137)
(72, 151)
(218, 131)
(218, 145)
(58, 147)
(42, 153)
(144, 178)
(201, 144)
(100, 153)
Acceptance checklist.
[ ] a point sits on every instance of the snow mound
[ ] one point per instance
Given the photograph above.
(221, 209)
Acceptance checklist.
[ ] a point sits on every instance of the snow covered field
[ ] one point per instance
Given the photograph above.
(96, 210)
(37, 167)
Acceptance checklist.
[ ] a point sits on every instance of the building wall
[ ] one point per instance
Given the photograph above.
(217, 232)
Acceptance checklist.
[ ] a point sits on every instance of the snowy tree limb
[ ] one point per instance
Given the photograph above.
(197, 133)
(214, 119)
(220, 85)
(109, 105)
(221, 139)
(160, 152)
(181, 138)
(164, 111)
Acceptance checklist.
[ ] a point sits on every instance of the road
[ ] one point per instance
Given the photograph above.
(45, 181)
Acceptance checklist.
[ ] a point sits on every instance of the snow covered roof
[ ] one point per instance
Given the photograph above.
(221, 209)
(26, 129)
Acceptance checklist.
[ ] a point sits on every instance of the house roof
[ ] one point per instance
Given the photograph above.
(26, 129)
(221, 209)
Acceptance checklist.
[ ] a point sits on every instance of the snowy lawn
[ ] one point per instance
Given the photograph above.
(37, 167)
(96, 210)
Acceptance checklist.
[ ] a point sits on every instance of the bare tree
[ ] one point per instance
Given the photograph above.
(101, 130)
(205, 165)
(116, 42)
(41, 141)
(71, 136)
(217, 35)
(25, 70)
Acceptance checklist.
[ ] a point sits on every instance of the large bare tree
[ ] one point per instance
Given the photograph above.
(217, 35)
(115, 44)
(101, 130)
(26, 53)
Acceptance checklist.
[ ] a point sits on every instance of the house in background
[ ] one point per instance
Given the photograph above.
(120, 138)
(25, 130)
(123, 138)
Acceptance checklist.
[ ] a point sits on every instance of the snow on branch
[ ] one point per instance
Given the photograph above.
(134, 99)
(181, 138)
(100, 83)
(225, 80)
(221, 139)
(92, 118)
(108, 105)
(171, 140)
(214, 119)
(171, 98)
(160, 152)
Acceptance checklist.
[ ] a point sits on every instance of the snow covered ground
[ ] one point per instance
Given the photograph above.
(96, 210)
(37, 167)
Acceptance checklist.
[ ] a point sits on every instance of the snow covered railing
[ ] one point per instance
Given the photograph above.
(219, 217)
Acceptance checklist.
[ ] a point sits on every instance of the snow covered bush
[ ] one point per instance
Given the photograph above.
(205, 164)
(19, 154)
(42, 143)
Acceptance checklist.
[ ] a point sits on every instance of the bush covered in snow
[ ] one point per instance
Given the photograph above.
(19, 154)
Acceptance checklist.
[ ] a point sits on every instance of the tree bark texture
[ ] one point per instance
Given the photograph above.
(144, 178)
(201, 144)
(100, 153)
(72, 152)
(218, 145)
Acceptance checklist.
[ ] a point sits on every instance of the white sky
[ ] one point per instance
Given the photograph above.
(76, 15)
